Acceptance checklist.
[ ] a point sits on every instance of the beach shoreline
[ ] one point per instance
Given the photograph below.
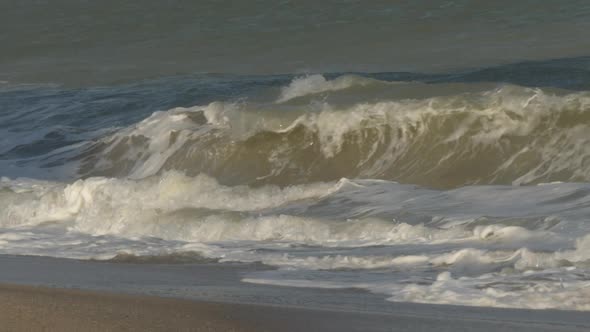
(49, 294)
(32, 308)
(36, 308)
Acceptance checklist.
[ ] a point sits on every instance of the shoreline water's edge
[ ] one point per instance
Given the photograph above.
(179, 296)
(26, 308)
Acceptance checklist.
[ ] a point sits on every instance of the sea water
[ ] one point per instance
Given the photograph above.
(434, 152)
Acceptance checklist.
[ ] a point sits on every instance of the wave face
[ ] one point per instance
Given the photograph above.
(421, 188)
(506, 135)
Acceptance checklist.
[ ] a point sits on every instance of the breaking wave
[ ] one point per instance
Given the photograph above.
(479, 245)
(266, 179)
(507, 135)
(315, 84)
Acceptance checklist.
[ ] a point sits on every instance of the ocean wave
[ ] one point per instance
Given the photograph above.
(109, 203)
(508, 135)
(484, 245)
(468, 276)
(314, 84)
(176, 207)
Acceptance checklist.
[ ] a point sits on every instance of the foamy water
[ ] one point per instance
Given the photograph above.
(480, 245)
(471, 194)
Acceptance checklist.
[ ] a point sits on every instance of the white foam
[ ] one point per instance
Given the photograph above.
(198, 209)
(157, 130)
(481, 291)
(497, 246)
(313, 84)
(107, 202)
(469, 277)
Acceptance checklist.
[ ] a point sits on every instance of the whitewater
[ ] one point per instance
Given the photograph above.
(424, 189)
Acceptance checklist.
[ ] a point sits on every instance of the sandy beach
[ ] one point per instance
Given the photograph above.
(29, 308)
(46, 294)
(25, 308)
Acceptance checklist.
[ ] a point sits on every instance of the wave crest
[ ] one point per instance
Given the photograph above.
(314, 84)
(510, 135)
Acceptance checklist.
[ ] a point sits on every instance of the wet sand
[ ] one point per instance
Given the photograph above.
(46, 294)
(30, 308)
(26, 308)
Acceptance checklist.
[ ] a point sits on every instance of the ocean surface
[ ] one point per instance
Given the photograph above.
(429, 151)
